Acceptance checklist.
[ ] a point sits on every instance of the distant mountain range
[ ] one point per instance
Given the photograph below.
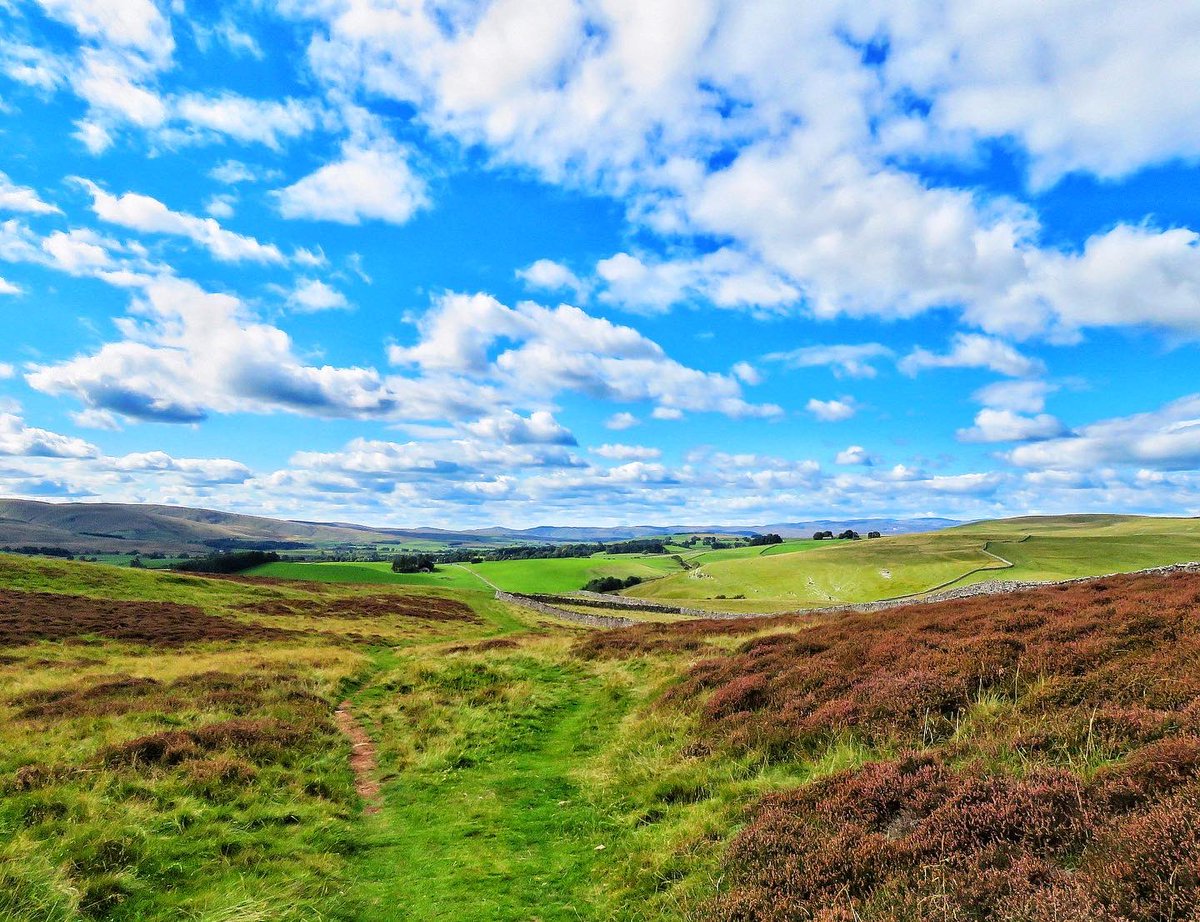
(785, 529)
(120, 527)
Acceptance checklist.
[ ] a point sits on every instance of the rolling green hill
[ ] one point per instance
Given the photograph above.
(556, 575)
(1027, 548)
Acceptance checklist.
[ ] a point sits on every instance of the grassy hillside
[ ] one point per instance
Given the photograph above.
(832, 572)
(567, 574)
(123, 527)
(1039, 548)
(183, 760)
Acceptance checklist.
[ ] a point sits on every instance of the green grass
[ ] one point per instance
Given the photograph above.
(494, 826)
(81, 839)
(697, 556)
(831, 572)
(1045, 557)
(446, 577)
(567, 574)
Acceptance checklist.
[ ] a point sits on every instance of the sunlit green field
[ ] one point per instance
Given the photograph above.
(893, 567)
(447, 576)
(806, 573)
(835, 572)
(568, 574)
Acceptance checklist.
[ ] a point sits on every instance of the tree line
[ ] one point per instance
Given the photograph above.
(848, 535)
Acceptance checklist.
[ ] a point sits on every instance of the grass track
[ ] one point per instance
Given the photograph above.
(497, 829)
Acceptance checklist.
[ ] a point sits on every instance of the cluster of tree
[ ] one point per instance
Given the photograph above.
(611, 583)
(552, 551)
(763, 540)
(707, 541)
(847, 535)
(43, 551)
(414, 563)
(235, 562)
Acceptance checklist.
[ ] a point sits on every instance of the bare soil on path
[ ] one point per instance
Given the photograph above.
(363, 761)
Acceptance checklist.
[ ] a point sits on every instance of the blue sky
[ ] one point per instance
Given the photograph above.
(601, 260)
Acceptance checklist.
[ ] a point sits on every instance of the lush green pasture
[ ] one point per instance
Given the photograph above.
(446, 577)
(695, 556)
(1047, 557)
(1081, 526)
(564, 574)
(567, 574)
(830, 572)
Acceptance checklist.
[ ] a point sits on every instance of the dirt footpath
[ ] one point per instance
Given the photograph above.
(362, 758)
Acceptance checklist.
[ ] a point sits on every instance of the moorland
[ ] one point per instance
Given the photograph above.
(333, 740)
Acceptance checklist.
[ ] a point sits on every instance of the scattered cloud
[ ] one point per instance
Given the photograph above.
(371, 183)
(148, 215)
(548, 275)
(973, 350)
(509, 428)
(992, 425)
(263, 121)
(16, 438)
(855, 454)
(549, 350)
(845, 361)
(1018, 396)
(312, 295)
(221, 205)
(1164, 439)
(832, 411)
(22, 198)
(233, 172)
(621, 452)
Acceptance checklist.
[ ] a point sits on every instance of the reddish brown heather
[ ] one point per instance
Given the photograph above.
(912, 839)
(1103, 666)
(27, 617)
(427, 608)
(677, 637)
(485, 646)
(261, 739)
(237, 694)
(1039, 683)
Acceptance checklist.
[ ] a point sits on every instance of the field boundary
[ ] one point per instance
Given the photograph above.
(554, 611)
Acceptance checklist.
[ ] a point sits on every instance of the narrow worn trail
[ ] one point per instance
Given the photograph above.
(363, 761)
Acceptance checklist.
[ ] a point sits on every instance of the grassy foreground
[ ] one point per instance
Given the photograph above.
(158, 763)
